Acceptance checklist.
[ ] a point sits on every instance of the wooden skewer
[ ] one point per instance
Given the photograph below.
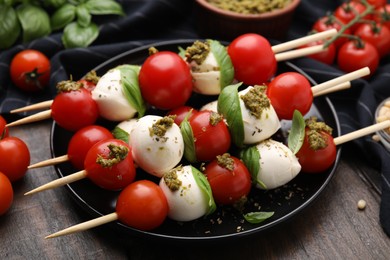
(49, 162)
(60, 182)
(341, 86)
(31, 119)
(303, 40)
(40, 105)
(289, 55)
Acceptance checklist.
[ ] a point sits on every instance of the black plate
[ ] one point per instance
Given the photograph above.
(226, 222)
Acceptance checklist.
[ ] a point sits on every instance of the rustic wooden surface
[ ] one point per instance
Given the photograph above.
(331, 228)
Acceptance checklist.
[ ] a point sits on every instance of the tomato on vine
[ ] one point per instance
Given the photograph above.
(382, 15)
(30, 70)
(331, 22)
(327, 56)
(6, 194)
(347, 11)
(15, 157)
(376, 34)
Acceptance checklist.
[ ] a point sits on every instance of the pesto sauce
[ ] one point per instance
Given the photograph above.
(117, 154)
(161, 126)
(250, 6)
(226, 161)
(171, 179)
(316, 139)
(68, 85)
(256, 101)
(197, 52)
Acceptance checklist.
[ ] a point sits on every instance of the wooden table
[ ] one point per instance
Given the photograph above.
(331, 228)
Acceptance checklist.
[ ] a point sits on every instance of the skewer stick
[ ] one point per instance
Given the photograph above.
(31, 119)
(344, 78)
(51, 161)
(361, 132)
(60, 182)
(342, 86)
(303, 40)
(40, 105)
(289, 55)
(86, 225)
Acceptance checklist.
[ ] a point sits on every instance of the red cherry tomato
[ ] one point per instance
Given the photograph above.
(316, 161)
(377, 35)
(181, 113)
(228, 185)
(353, 56)
(111, 176)
(165, 80)
(142, 205)
(74, 109)
(382, 15)
(375, 3)
(331, 22)
(15, 158)
(253, 60)
(30, 70)
(347, 11)
(211, 139)
(6, 194)
(290, 91)
(4, 132)
(327, 56)
(83, 140)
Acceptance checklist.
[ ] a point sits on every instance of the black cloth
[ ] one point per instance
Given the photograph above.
(149, 21)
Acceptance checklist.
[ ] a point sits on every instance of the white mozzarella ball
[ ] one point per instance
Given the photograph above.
(212, 106)
(278, 165)
(188, 202)
(156, 155)
(111, 99)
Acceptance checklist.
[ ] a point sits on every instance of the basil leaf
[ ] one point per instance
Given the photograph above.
(83, 16)
(77, 36)
(120, 134)
(56, 4)
(229, 107)
(188, 138)
(63, 16)
(9, 27)
(129, 78)
(204, 185)
(225, 63)
(297, 133)
(182, 52)
(257, 217)
(101, 7)
(34, 20)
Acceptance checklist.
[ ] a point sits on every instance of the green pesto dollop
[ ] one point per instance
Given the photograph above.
(68, 85)
(250, 6)
(117, 154)
(215, 118)
(197, 52)
(256, 101)
(161, 126)
(225, 161)
(171, 179)
(92, 77)
(316, 139)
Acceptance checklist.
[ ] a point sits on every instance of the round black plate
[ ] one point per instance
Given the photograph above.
(226, 222)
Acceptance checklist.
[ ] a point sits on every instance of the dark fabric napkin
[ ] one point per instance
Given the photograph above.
(150, 21)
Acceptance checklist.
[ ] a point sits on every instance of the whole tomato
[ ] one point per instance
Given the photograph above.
(331, 22)
(14, 158)
(6, 194)
(4, 132)
(382, 15)
(142, 205)
(30, 70)
(354, 55)
(327, 56)
(165, 80)
(253, 60)
(347, 11)
(377, 35)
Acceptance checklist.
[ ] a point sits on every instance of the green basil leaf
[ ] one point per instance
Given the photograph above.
(34, 20)
(297, 132)
(129, 78)
(83, 16)
(56, 4)
(251, 158)
(120, 134)
(257, 217)
(102, 7)
(204, 185)
(229, 107)
(225, 63)
(9, 27)
(63, 16)
(182, 52)
(188, 138)
(77, 36)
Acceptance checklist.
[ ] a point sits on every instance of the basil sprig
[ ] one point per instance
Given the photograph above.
(297, 132)
(251, 158)
(9, 26)
(188, 138)
(204, 185)
(34, 20)
(229, 107)
(257, 217)
(225, 63)
(121, 134)
(130, 84)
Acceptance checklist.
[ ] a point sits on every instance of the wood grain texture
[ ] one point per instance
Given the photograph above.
(331, 228)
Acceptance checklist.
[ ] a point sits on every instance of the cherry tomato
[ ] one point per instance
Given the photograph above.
(182, 112)
(15, 157)
(347, 11)
(253, 60)
(30, 70)
(316, 161)
(142, 205)
(382, 15)
(165, 80)
(74, 109)
(331, 22)
(6, 194)
(228, 185)
(107, 168)
(375, 3)
(4, 132)
(211, 135)
(356, 55)
(377, 35)
(327, 56)
(83, 140)
(290, 91)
